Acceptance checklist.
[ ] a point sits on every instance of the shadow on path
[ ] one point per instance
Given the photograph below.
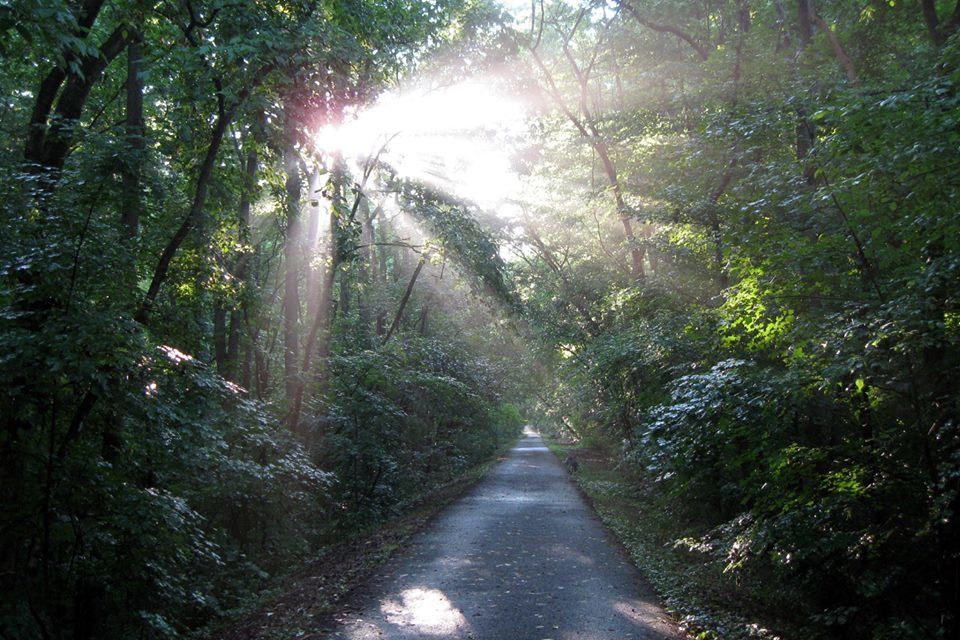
(520, 557)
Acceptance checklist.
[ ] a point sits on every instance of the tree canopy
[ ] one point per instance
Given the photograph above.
(270, 271)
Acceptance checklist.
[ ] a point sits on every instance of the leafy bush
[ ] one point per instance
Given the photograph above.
(408, 418)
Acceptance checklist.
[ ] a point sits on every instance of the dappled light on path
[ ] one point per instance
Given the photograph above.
(426, 610)
(520, 557)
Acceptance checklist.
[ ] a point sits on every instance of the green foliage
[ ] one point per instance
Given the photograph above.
(150, 482)
(454, 225)
(410, 418)
(147, 507)
(784, 376)
(781, 379)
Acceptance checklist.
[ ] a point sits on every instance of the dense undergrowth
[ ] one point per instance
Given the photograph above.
(223, 352)
(732, 258)
(777, 374)
(690, 580)
(181, 499)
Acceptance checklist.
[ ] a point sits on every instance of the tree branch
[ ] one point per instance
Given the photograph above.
(199, 199)
(939, 31)
(838, 51)
(702, 53)
(403, 301)
(47, 145)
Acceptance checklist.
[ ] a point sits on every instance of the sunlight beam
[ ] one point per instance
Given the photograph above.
(454, 138)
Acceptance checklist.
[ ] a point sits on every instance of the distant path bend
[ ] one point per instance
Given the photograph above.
(520, 557)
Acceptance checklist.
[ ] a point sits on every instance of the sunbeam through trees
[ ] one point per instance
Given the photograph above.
(272, 274)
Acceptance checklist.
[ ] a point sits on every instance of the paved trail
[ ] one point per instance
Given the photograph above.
(520, 557)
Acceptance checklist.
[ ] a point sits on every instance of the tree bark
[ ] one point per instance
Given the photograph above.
(337, 208)
(130, 201)
(313, 258)
(838, 51)
(318, 338)
(292, 251)
(723, 277)
(939, 32)
(343, 304)
(365, 266)
(930, 18)
(192, 218)
(424, 316)
(239, 316)
(51, 83)
(403, 301)
(220, 337)
(637, 250)
(806, 130)
(805, 22)
(49, 144)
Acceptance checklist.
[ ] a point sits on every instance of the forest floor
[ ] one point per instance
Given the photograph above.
(520, 557)
(689, 579)
(307, 599)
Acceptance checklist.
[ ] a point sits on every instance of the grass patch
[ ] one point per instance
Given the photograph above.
(691, 583)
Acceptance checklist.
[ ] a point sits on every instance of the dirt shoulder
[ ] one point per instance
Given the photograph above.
(306, 601)
(689, 578)
(520, 557)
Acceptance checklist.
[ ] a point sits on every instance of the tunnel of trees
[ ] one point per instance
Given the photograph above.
(720, 237)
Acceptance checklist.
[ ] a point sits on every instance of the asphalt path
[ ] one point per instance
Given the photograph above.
(519, 557)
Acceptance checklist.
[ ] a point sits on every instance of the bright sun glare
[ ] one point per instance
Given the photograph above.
(454, 138)
(428, 611)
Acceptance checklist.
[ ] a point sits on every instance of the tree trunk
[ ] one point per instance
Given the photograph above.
(838, 51)
(403, 301)
(940, 31)
(130, 201)
(291, 282)
(637, 250)
(424, 317)
(190, 221)
(805, 22)
(220, 337)
(225, 116)
(49, 150)
(246, 371)
(239, 317)
(346, 286)
(384, 238)
(313, 261)
(326, 311)
(319, 335)
(365, 266)
(805, 128)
